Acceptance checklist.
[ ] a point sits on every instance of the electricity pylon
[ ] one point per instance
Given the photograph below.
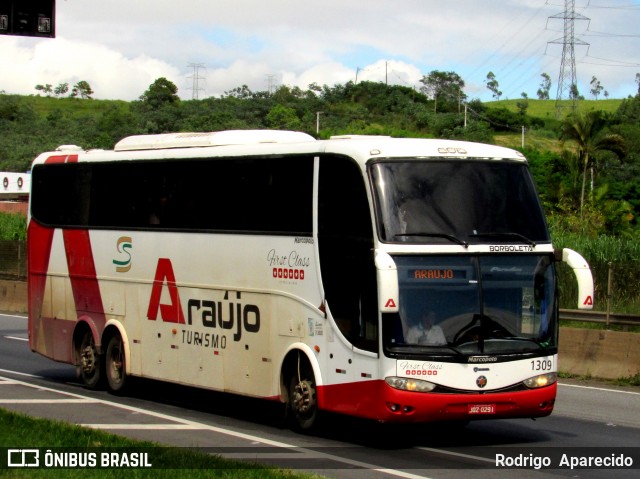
(567, 80)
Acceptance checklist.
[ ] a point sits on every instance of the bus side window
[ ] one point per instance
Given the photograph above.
(345, 243)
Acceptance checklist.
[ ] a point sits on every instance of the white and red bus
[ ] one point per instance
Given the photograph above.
(273, 265)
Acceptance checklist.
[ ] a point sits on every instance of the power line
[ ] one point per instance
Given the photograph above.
(614, 7)
(591, 33)
(517, 30)
(611, 63)
(526, 81)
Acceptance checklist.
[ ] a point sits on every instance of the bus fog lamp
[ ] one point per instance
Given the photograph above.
(409, 384)
(540, 381)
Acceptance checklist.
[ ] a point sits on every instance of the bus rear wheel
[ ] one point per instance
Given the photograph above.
(115, 364)
(303, 402)
(89, 361)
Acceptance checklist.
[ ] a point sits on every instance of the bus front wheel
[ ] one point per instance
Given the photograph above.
(115, 364)
(89, 362)
(303, 401)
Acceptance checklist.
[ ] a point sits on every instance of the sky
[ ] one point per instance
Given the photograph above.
(209, 47)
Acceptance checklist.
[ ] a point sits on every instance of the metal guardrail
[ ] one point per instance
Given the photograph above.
(600, 317)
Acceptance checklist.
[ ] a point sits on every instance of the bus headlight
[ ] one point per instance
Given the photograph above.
(410, 384)
(540, 381)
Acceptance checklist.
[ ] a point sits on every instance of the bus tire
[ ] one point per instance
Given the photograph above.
(89, 361)
(115, 364)
(303, 401)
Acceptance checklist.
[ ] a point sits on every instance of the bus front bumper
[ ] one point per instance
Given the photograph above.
(377, 400)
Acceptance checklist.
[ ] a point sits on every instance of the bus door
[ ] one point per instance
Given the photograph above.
(345, 247)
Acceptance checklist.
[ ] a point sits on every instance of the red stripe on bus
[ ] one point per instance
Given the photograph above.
(80, 262)
(82, 273)
(82, 269)
(39, 241)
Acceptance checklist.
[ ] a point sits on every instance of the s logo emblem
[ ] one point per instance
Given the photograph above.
(123, 246)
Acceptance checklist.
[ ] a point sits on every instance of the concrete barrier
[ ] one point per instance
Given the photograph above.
(598, 353)
(13, 296)
(583, 352)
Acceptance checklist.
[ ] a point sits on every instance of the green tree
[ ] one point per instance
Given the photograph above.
(587, 131)
(82, 89)
(574, 93)
(242, 93)
(61, 89)
(493, 85)
(445, 88)
(522, 106)
(159, 108)
(161, 92)
(596, 87)
(283, 118)
(545, 86)
(46, 89)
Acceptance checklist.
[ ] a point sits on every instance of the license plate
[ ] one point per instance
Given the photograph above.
(482, 409)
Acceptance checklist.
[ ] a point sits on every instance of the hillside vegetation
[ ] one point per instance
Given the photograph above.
(586, 164)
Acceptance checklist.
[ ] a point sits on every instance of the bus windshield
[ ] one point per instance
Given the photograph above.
(464, 305)
(456, 201)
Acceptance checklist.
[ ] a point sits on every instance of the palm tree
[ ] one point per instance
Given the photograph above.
(587, 130)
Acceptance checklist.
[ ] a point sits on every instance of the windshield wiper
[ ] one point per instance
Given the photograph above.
(454, 349)
(430, 347)
(528, 340)
(436, 235)
(496, 234)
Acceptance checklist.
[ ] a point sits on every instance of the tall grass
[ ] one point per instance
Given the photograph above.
(13, 227)
(621, 254)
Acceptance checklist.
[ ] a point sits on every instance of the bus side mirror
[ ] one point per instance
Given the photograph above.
(582, 271)
(388, 291)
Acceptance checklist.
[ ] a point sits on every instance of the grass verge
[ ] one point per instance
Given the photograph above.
(599, 326)
(20, 431)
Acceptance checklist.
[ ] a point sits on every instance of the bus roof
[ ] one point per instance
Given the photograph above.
(217, 138)
(368, 147)
(270, 142)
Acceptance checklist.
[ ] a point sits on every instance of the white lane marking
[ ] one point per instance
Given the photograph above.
(598, 389)
(129, 426)
(48, 401)
(228, 432)
(15, 337)
(19, 374)
(456, 454)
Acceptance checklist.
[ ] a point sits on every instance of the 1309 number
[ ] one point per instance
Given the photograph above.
(541, 365)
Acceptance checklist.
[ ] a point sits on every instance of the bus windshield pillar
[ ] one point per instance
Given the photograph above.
(388, 290)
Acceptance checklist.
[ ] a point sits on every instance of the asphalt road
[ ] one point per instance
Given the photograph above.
(587, 416)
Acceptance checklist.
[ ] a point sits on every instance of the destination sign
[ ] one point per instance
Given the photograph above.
(427, 274)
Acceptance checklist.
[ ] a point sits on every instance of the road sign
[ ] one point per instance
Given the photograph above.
(30, 18)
